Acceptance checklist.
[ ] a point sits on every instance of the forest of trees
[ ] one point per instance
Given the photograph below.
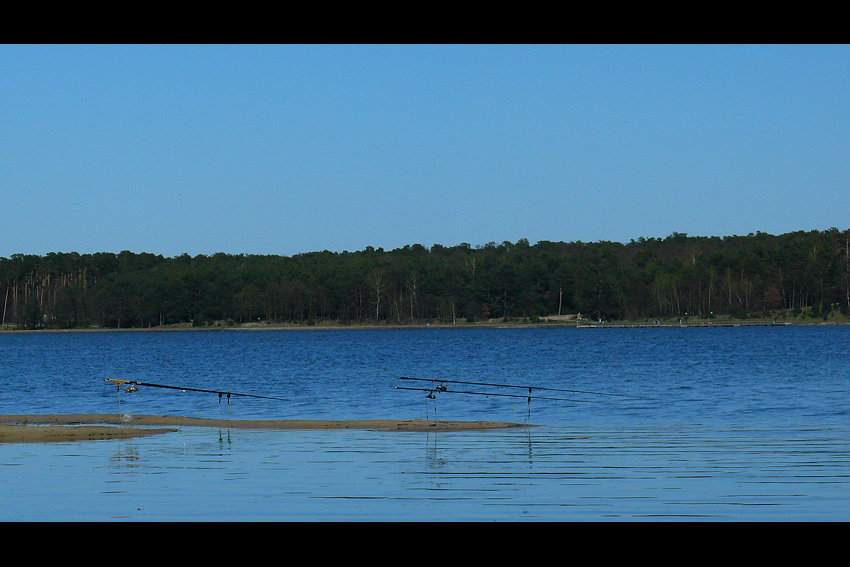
(676, 276)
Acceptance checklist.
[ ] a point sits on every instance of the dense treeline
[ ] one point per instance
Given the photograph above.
(676, 276)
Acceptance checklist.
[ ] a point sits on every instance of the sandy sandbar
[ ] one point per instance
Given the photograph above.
(79, 427)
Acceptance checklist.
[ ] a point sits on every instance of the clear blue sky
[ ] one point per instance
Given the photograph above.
(288, 149)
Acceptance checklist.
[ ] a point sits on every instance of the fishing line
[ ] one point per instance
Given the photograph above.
(430, 396)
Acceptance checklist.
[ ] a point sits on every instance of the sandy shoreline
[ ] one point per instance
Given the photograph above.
(80, 427)
(551, 322)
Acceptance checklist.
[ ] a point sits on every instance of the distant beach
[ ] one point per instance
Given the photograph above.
(552, 321)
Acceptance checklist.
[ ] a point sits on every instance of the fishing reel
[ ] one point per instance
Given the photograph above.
(130, 386)
(430, 394)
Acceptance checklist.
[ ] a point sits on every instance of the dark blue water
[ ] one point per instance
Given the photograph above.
(721, 423)
(755, 375)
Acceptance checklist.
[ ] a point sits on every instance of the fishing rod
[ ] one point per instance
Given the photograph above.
(132, 386)
(529, 388)
(429, 393)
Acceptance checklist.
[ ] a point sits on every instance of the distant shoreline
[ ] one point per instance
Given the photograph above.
(542, 322)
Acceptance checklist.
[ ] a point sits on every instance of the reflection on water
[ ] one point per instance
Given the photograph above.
(541, 473)
(125, 457)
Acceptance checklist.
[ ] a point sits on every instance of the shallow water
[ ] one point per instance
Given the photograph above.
(548, 473)
(730, 424)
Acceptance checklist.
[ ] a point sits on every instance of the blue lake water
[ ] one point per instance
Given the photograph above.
(731, 423)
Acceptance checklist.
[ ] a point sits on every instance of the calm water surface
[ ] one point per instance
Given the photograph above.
(697, 423)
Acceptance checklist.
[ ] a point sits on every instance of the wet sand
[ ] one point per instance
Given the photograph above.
(79, 427)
